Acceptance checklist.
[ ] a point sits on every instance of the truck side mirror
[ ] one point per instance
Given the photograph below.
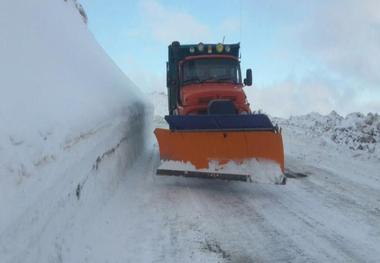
(248, 78)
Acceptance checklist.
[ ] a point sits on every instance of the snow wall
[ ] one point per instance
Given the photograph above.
(71, 125)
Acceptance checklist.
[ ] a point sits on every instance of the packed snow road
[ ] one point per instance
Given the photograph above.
(329, 213)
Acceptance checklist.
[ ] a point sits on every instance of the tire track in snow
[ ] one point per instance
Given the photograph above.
(237, 225)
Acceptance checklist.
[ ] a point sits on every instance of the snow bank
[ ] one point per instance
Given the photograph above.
(71, 123)
(356, 131)
(81, 10)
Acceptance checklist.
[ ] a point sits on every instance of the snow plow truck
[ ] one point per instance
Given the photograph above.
(212, 131)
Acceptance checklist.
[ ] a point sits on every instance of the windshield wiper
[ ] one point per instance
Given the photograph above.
(209, 80)
(229, 79)
(225, 79)
(195, 80)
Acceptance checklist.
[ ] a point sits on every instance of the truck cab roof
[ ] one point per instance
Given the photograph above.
(178, 52)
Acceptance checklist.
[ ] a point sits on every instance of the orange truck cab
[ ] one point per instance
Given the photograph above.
(206, 79)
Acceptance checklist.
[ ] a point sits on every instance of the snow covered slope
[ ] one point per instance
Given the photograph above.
(70, 124)
(356, 133)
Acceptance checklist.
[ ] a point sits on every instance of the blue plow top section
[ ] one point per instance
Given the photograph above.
(220, 122)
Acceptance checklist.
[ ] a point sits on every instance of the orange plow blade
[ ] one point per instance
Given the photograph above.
(202, 147)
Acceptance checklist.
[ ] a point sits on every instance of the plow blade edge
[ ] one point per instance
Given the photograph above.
(205, 175)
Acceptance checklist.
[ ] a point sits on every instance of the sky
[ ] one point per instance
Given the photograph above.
(306, 56)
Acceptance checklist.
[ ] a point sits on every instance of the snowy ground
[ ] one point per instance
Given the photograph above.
(77, 185)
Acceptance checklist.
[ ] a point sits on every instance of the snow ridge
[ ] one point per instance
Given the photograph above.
(81, 10)
(356, 131)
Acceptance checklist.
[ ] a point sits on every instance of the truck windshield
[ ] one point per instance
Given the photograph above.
(211, 70)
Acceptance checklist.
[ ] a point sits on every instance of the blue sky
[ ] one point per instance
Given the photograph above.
(306, 56)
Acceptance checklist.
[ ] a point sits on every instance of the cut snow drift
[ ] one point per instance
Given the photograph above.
(71, 124)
